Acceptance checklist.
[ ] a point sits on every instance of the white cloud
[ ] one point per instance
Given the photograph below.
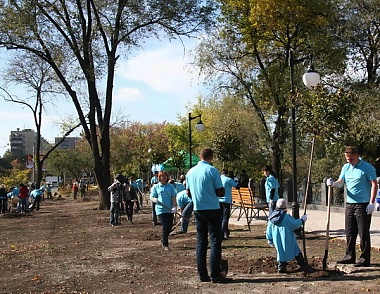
(165, 70)
(129, 94)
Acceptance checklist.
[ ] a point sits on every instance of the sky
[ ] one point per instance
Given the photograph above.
(154, 85)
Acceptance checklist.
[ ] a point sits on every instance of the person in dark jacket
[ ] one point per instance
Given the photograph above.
(3, 199)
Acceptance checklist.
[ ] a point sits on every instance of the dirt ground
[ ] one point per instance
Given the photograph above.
(68, 246)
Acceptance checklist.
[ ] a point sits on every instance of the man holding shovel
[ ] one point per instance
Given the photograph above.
(204, 186)
(360, 179)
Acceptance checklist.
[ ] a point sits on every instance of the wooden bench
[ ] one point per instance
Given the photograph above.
(244, 200)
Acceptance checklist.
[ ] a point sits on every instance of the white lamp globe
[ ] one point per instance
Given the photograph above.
(200, 127)
(311, 79)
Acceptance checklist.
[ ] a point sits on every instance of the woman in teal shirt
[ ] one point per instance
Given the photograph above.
(164, 195)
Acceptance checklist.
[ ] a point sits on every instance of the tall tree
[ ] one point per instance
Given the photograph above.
(90, 35)
(250, 54)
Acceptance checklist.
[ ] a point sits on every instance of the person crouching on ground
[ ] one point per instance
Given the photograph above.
(36, 195)
(280, 234)
(163, 195)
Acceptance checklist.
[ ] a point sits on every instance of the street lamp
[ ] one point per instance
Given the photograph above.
(311, 79)
(200, 127)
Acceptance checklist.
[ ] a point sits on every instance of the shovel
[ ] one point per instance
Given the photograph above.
(306, 197)
(324, 262)
(177, 213)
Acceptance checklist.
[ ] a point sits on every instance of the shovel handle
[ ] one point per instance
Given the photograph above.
(324, 262)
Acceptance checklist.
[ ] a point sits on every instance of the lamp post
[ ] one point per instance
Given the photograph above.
(200, 127)
(311, 79)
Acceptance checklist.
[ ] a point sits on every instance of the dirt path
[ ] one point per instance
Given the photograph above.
(69, 247)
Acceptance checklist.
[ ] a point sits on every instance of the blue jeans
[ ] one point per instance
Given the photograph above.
(186, 212)
(22, 204)
(114, 213)
(208, 223)
(225, 212)
(357, 221)
(166, 220)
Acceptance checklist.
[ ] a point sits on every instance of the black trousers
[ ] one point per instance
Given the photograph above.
(166, 220)
(129, 209)
(357, 221)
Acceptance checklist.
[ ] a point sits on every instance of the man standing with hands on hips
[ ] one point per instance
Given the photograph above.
(204, 186)
(360, 179)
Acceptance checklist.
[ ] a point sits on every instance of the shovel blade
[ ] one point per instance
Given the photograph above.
(324, 261)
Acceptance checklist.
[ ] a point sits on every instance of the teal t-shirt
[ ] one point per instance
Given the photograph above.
(164, 194)
(228, 183)
(271, 183)
(183, 199)
(357, 179)
(202, 180)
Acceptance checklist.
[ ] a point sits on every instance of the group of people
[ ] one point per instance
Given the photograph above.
(207, 193)
(124, 195)
(208, 189)
(21, 194)
(361, 183)
(81, 186)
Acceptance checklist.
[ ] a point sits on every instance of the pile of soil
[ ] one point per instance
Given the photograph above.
(68, 246)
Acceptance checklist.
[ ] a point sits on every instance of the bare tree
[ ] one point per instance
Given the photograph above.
(27, 70)
(89, 35)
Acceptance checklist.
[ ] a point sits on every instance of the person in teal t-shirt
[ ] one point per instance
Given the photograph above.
(163, 195)
(360, 179)
(204, 186)
(226, 201)
(271, 187)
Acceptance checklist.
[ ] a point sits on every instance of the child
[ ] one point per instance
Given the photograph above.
(280, 233)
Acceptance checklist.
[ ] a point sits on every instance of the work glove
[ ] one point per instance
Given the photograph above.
(377, 206)
(370, 208)
(329, 182)
(304, 218)
(154, 200)
(270, 243)
(174, 210)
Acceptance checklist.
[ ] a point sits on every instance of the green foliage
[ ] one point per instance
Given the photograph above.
(324, 113)
(146, 144)
(18, 174)
(71, 162)
(227, 146)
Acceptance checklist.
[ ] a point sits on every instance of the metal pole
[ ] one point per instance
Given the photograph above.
(190, 142)
(295, 205)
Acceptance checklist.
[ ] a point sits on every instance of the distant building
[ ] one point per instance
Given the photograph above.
(22, 142)
(68, 142)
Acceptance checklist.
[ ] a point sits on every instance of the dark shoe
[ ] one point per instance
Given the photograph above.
(205, 279)
(308, 269)
(282, 271)
(221, 280)
(361, 263)
(347, 260)
(177, 233)
(224, 267)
